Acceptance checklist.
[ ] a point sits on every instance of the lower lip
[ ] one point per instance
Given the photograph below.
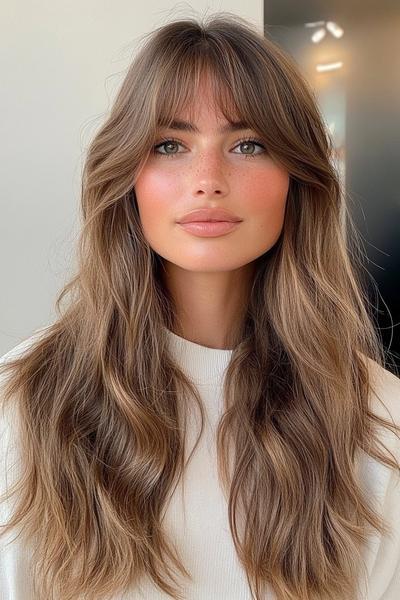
(209, 229)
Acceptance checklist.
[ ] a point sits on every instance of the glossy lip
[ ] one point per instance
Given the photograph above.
(209, 214)
(209, 228)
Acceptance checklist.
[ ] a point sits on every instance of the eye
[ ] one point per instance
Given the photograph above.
(166, 142)
(171, 142)
(251, 142)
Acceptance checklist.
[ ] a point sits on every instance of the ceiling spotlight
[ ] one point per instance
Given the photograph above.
(318, 35)
(334, 29)
(314, 24)
(329, 67)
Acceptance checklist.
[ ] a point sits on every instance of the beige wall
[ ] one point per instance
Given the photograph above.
(61, 65)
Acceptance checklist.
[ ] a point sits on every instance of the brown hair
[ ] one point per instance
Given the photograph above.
(103, 405)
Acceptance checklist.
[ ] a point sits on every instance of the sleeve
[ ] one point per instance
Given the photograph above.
(384, 581)
(15, 556)
(383, 483)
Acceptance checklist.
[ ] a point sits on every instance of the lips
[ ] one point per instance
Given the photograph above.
(209, 214)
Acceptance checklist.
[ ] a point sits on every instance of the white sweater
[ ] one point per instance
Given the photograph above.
(198, 524)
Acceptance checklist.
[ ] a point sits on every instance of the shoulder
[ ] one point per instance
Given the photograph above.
(384, 402)
(385, 392)
(382, 486)
(10, 431)
(9, 423)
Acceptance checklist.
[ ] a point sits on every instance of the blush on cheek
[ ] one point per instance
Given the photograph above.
(158, 187)
(153, 183)
(154, 193)
(268, 191)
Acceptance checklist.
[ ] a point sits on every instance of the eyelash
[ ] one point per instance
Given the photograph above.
(163, 141)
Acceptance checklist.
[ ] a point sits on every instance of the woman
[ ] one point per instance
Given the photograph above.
(287, 486)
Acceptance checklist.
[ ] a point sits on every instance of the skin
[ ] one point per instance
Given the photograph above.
(210, 278)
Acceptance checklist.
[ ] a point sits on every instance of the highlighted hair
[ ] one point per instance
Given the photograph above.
(103, 406)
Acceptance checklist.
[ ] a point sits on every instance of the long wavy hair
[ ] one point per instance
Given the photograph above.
(103, 406)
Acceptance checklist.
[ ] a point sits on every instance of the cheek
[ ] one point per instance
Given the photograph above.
(259, 195)
(153, 190)
(266, 194)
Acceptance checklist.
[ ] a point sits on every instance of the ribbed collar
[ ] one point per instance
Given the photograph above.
(202, 364)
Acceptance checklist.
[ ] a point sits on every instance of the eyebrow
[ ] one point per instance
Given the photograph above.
(186, 126)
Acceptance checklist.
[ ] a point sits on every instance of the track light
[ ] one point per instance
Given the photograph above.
(324, 26)
(329, 66)
(318, 35)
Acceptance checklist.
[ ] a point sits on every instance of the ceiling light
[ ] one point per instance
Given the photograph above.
(334, 29)
(329, 67)
(318, 35)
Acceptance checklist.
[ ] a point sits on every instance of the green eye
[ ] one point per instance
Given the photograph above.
(168, 141)
(254, 143)
(165, 143)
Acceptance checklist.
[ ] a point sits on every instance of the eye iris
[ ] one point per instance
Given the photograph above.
(247, 144)
(169, 144)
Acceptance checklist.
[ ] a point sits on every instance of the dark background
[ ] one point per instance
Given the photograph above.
(370, 51)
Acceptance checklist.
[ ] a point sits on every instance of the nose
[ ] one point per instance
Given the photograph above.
(209, 176)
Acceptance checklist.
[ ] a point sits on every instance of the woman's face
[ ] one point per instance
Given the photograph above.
(209, 167)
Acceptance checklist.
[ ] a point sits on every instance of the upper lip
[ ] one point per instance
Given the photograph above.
(209, 214)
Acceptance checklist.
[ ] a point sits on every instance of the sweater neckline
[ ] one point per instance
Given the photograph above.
(202, 364)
